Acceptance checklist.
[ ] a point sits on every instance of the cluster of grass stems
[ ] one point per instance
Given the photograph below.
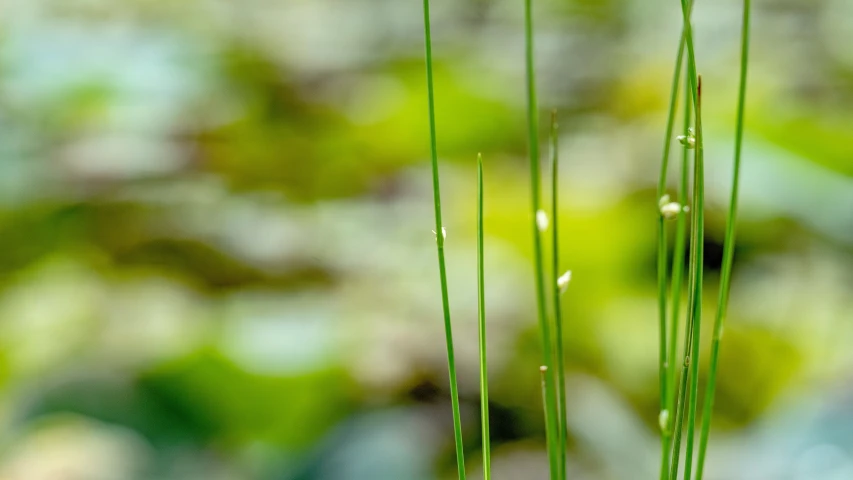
(678, 392)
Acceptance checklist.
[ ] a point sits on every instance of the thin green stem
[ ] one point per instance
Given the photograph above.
(533, 145)
(439, 238)
(686, 8)
(550, 434)
(668, 372)
(692, 337)
(678, 261)
(679, 251)
(558, 308)
(728, 250)
(663, 363)
(481, 301)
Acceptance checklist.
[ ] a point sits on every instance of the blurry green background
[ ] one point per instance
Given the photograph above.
(217, 261)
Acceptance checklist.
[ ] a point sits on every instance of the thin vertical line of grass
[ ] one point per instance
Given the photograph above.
(680, 244)
(681, 229)
(533, 146)
(663, 363)
(686, 9)
(481, 302)
(549, 418)
(697, 320)
(691, 338)
(558, 290)
(678, 252)
(439, 238)
(728, 250)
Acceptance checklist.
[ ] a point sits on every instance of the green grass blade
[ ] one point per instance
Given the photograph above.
(550, 434)
(663, 363)
(535, 180)
(678, 252)
(691, 339)
(481, 301)
(686, 8)
(557, 292)
(678, 272)
(440, 237)
(697, 306)
(728, 250)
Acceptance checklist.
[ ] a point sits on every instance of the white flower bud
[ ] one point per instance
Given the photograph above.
(663, 420)
(542, 220)
(688, 141)
(563, 281)
(443, 233)
(670, 210)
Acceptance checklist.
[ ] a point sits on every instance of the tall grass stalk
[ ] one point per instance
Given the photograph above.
(557, 292)
(550, 434)
(679, 250)
(691, 338)
(539, 225)
(439, 240)
(668, 347)
(678, 268)
(663, 361)
(728, 250)
(481, 302)
(698, 231)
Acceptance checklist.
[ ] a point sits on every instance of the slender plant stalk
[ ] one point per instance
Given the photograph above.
(550, 434)
(439, 238)
(663, 362)
(728, 251)
(678, 260)
(535, 180)
(558, 310)
(678, 251)
(691, 339)
(697, 320)
(481, 301)
(686, 8)
(668, 372)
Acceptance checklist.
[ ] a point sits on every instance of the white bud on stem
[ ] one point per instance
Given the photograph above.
(563, 281)
(443, 233)
(668, 208)
(688, 141)
(542, 220)
(671, 210)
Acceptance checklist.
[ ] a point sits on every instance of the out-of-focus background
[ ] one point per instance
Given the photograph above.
(217, 259)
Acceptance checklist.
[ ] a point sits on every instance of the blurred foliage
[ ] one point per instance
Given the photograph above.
(217, 259)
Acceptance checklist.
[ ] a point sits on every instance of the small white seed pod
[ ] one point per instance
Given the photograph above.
(670, 210)
(542, 220)
(663, 420)
(563, 281)
(688, 141)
